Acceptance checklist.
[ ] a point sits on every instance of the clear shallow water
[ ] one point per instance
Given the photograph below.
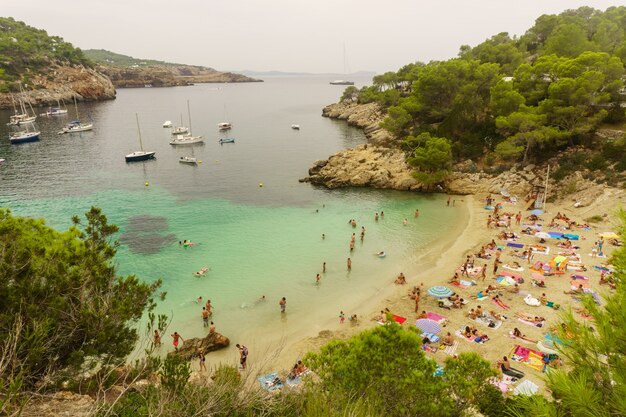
(256, 240)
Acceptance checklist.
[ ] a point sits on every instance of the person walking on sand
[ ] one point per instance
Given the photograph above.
(518, 218)
(283, 304)
(495, 266)
(243, 355)
(483, 272)
(349, 264)
(157, 339)
(176, 338)
(417, 302)
(342, 317)
(205, 317)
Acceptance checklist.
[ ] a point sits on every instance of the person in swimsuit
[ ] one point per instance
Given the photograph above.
(283, 304)
(243, 355)
(176, 338)
(157, 339)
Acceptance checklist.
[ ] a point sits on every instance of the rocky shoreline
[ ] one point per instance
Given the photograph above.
(380, 164)
(62, 84)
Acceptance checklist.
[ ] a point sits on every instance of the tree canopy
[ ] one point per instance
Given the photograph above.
(521, 98)
(60, 296)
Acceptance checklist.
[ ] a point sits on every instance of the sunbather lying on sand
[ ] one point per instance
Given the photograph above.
(530, 318)
(517, 333)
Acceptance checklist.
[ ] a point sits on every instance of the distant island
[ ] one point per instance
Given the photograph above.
(126, 71)
(359, 74)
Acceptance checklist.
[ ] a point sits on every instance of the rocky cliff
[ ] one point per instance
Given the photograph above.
(168, 75)
(63, 83)
(364, 116)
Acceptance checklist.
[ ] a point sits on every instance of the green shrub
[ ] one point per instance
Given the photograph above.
(597, 163)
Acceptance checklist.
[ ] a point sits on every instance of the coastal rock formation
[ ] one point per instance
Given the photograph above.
(365, 165)
(213, 341)
(168, 75)
(60, 404)
(365, 116)
(63, 83)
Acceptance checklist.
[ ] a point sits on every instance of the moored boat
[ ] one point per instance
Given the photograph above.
(180, 130)
(139, 155)
(295, 127)
(186, 140)
(342, 82)
(24, 137)
(167, 123)
(188, 160)
(76, 126)
(224, 126)
(227, 140)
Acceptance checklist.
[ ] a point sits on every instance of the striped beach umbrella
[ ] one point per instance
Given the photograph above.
(439, 291)
(428, 326)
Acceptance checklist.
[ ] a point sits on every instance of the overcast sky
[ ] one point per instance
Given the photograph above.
(286, 35)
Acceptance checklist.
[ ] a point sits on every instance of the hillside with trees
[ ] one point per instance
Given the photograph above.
(513, 99)
(126, 71)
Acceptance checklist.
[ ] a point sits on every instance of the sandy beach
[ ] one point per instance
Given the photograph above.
(438, 265)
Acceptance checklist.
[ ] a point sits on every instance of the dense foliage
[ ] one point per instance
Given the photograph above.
(60, 297)
(102, 56)
(25, 50)
(520, 98)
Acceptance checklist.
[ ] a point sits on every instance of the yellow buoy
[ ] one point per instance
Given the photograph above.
(147, 183)
(199, 162)
(260, 184)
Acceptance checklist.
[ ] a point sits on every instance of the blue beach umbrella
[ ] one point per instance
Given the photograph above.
(536, 212)
(439, 291)
(428, 326)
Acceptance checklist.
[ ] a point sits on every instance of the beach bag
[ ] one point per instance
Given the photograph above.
(491, 324)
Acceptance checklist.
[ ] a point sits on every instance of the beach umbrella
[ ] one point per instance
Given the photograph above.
(536, 212)
(428, 326)
(609, 235)
(439, 291)
(543, 235)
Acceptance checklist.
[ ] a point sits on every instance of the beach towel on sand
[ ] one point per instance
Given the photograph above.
(515, 245)
(489, 321)
(436, 317)
(270, 382)
(473, 338)
(451, 350)
(528, 357)
(530, 323)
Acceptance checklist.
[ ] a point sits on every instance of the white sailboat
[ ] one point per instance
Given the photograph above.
(345, 70)
(223, 126)
(27, 133)
(180, 130)
(22, 116)
(187, 139)
(139, 155)
(76, 125)
(55, 111)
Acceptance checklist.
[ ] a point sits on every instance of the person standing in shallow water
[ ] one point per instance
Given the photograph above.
(349, 264)
(324, 267)
(283, 304)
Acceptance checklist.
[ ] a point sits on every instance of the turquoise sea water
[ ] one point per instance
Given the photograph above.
(255, 240)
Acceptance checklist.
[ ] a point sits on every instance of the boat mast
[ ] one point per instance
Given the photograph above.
(139, 132)
(189, 113)
(76, 108)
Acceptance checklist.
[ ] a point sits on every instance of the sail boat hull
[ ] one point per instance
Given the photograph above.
(24, 137)
(139, 156)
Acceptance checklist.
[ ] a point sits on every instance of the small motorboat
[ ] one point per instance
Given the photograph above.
(180, 130)
(295, 127)
(202, 271)
(188, 160)
(167, 123)
(186, 140)
(224, 126)
(381, 254)
(139, 156)
(2, 161)
(227, 140)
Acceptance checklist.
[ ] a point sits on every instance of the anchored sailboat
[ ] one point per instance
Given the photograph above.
(139, 155)
(187, 139)
(76, 125)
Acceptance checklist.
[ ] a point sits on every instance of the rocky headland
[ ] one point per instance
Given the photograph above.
(168, 75)
(63, 83)
(381, 164)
